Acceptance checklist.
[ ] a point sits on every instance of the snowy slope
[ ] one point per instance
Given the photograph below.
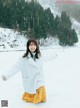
(76, 26)
(55, 11)
(51, 4)
(11, 39)
(62, 79)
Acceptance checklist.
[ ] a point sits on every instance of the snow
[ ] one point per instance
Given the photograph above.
(11, 39)
(50, 4)
(62, 79)
(76, 26)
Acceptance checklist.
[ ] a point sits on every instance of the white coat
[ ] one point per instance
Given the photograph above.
(32, 72)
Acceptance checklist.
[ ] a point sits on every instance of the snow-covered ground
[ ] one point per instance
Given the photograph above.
(62, 79)
(11, 39)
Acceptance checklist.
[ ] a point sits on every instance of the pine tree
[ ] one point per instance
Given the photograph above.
(57, 23)
(1, 12)
(35, 21)
(65, 19)
(49, 21)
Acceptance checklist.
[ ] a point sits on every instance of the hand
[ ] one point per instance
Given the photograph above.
(3, 77)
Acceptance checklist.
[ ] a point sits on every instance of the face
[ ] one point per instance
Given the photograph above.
(32, 47)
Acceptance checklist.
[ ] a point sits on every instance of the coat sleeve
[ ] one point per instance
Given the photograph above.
(13, 70)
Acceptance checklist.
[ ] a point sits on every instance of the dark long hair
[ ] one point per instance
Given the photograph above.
(37, 51)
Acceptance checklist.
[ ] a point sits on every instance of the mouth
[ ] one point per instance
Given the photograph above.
(32, 50)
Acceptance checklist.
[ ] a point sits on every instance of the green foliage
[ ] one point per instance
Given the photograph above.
(67, 35)
(35, 21)
(49, 19)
